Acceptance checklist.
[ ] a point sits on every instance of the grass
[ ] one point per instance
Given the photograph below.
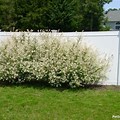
(30, 102)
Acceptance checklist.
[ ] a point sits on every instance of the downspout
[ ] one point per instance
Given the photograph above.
(118, 66)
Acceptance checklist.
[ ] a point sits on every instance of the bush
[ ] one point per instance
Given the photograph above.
(51, 60)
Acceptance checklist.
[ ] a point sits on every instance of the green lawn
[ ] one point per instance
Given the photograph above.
(39, 103)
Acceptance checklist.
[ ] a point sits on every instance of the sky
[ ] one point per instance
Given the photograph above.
(113, 4)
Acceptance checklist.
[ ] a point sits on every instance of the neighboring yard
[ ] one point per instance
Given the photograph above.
(32, 102)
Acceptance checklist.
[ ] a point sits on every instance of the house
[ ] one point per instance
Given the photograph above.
(113, 19)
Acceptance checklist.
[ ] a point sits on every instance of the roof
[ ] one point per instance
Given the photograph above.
(113, 15)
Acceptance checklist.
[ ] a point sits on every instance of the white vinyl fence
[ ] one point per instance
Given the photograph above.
(107, 43)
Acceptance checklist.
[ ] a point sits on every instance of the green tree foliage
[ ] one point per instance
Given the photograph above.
(7, 14)
(92, 14)
(61, 15)
(30, 14)
(66, 15)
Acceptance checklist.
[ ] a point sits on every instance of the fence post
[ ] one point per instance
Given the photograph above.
(118, 66)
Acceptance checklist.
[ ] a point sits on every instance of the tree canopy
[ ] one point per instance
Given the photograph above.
(66, 15)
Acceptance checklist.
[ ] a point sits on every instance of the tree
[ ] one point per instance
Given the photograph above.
(66, 15)
(7, 14)
(74, 15)
(61, 15)
(30, 14)
(93, 14)
(46, 14)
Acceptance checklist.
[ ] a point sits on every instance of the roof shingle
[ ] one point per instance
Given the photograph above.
(113, 15)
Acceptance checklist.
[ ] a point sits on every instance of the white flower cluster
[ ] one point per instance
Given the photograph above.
(48, 59)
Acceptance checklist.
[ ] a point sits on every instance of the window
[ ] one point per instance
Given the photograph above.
(117, 27)
(117, 23)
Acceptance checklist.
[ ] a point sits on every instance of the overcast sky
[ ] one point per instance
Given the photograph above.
(113, 4)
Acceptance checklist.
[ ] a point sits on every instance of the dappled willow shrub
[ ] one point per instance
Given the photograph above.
(51, 60)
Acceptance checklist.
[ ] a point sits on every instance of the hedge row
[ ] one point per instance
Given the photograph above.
(48, 59)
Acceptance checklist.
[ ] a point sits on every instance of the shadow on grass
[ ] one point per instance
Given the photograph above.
(44, 85)
(35, 85)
